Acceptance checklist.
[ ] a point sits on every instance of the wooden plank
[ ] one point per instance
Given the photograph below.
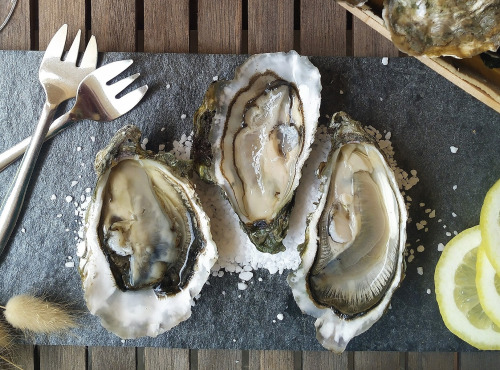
(314, 360)
(22, 355)
(166, 358)
(112, 358)
(219, 26)
(52, 14)
(377, 361)
(367, 42)
(270, 26)
(431, 360)
(479, 360)
(276, 360)
(114, 24)
(216, 359)
(322, 28)
(62, 357)
(17, 33)
(166, 26)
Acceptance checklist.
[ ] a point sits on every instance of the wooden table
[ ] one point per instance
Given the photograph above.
(312, 27)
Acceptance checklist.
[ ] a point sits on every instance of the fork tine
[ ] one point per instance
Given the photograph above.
(89, 59)
(56, 44)
(119, 86)
(131, 99)
(73, 50)
(111, 70)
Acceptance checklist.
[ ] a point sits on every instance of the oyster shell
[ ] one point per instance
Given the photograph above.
(252, 137)
(352, 258)
(443, 27)
(148, 248)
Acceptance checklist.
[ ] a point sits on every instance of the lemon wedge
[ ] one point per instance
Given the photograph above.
(488, 286)
(490, 225)
(456, 293)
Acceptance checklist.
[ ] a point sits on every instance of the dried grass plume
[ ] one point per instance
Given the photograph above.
(36, 315)
(5, 338)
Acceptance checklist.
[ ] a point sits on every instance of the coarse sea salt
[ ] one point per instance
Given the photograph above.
(453, 149)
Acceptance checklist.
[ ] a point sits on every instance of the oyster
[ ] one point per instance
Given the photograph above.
(352, 257)
(252, 137)
(148, 249)
(443, 27)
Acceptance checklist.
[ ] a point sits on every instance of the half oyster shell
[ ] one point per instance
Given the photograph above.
(352, 258)
(252, 137)
(443, 27)
(148, 248)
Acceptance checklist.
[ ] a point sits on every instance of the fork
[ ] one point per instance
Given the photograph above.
(95, 100)
(59, 79)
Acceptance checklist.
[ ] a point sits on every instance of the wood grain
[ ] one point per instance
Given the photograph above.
(377, 361)
(367, 42)
(50, 14)
(314, 360)
(431, 360)
(17, 33)
(112, 358)
(62, 357)
(23, 355)
(219, 26)
(216, 359)
(270, 26)
(277, 360)
(114, 24)
(479, 360)
(166, 358)
(166, 26)
(326, 35)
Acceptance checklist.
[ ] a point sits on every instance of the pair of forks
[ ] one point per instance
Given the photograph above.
(63, 80)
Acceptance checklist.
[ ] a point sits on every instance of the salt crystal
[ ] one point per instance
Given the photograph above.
(168, 86)
(428, 291)
(245, 275)
(162, 129)
(215, 78)
(242, 286)
(59, 215)
(279, 316)
(23, 230)
(341, 92)
(69, 198)
(92, 138)
(420, 248)
(73, 183)
(260, 279)
(453, 214)
(420, 270)
(220, 273)
(78, 148)
(123, 341)
(385, 61)
(183, 116)
(440, 247)
(454, 187)
(70, 264)
(453, 149)
(53, 197)
(448, 233)
(88, 190)
(70, 258)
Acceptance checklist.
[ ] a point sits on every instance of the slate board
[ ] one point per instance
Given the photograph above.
(425, 114)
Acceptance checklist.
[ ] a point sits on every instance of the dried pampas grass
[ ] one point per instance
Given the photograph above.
(5, 338)
(36, 315)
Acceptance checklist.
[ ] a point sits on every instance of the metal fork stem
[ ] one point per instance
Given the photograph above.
(13, 202)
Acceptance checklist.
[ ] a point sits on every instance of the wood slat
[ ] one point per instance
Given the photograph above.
(377, 361)
(326, 34)
(62, 357)
(23, 356)
(276, 360)
(314, 360)
(431, 360)
(114, 24)
(216, 359)
(479, 360)
(367, 42)
(165, 358)
(270, 26)
(112, 358)
(52, 14)
(17, 33)
(219, 26)
(166, 26)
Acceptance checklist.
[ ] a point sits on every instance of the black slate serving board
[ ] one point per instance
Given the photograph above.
(425, 114)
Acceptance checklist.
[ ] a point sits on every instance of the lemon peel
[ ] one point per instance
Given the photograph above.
(488, 286)
(490, 225)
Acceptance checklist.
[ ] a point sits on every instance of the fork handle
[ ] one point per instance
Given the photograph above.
(13, 202)
(11, 154)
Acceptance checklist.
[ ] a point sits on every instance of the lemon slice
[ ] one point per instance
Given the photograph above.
(456, 293)
(490, 225)
(488, 286)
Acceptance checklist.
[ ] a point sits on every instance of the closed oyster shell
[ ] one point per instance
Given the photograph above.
(352, 258)
(148, 248)
(252, 137)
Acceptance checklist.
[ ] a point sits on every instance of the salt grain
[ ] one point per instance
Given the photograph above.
(432, 214)
(92, 138)
(428, 291)
(411, 258)
(69, 199)
(23, 230)
(420, 270)
(420, 248)
(279, 316)
(245, 275)
(242, 286)
(53, 197)
(454, 187)
(453, 149)
(448, 233)
(88, 190)
(385, 61)
(59, 215)
(453, 214)
(73, 183)
(168, 86)
(70, 264)
(215, 78)
(440, 247)
(183, 116)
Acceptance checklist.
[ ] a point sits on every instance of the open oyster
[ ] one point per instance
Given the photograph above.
(443, 27)
(252, 137)
(148, 249)
(352, 258)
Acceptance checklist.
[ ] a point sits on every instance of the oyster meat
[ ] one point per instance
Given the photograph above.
(352, 257)
(443, 27)
(252, 137)
(148, 249)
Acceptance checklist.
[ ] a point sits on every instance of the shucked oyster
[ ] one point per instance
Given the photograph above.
(443, 27)
(352, 258)
(252, 137)
(148, 249)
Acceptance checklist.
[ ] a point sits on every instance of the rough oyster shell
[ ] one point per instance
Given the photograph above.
(443, 27)
(148, 248)
(352, 258)
(252, 137)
